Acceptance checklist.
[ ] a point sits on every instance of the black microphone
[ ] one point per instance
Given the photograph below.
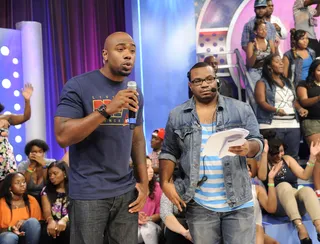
(132, 85)
(213, 89)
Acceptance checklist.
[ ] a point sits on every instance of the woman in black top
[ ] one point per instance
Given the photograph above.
(291, 201)
(309, 95)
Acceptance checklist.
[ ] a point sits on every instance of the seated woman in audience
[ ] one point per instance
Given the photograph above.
(19, 212)
(149, 230)
(277, 104)
(299, 58)
(308, 93)
(35, 168)
(54, 197)
(291, 201)
(258, 50)
(268, 202)
(7, 160)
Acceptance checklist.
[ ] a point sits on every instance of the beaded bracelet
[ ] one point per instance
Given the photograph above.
(271, 184)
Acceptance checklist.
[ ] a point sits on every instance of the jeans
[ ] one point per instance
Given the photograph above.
(103, 221)
(32, 230)
(291, 138)
(209, 227)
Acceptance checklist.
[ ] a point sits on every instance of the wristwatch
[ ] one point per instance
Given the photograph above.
(102, 111)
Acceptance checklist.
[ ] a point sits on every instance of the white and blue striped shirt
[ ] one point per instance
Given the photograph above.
(212, 194)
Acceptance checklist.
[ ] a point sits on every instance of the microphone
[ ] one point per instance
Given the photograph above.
(213, 89)
(132, 85)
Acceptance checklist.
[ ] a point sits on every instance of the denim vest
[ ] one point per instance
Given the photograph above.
(263, 116)
(295, 65)
(183, 141)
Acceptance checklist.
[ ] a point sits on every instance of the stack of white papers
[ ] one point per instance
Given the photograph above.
(219, 143)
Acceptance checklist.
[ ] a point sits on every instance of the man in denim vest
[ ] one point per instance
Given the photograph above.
(216, 192)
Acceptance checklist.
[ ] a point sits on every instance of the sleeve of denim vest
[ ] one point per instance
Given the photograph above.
(170, 149)
(253, 127)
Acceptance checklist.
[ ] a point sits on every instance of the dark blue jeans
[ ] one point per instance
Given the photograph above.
(104, 221)
(291, 138)
(209, 227)
(32, 230)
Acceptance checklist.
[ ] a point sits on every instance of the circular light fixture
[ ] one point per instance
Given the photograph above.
(18, 157)
(17, 127)
(4, 50)
(16, 93)
(7, 112)
(17, 107)
(15, 74)
(6, 83)
(18, 139)
(15, 61)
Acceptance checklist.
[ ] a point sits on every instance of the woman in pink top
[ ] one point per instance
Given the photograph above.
(149, 230)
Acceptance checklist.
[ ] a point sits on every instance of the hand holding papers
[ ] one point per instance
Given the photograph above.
(219, 143)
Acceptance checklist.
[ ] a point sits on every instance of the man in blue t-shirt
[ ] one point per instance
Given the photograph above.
(92, 118)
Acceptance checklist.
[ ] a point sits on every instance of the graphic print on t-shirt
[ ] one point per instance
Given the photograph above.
(121, 118)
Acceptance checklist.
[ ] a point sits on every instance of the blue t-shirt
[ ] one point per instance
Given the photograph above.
(305, 67)
(99, 165)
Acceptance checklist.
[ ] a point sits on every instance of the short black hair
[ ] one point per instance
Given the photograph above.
(1, 107)
(36, 142)
(197, 65)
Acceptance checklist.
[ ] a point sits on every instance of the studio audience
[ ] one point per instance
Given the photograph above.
(55, 201)
(149, 217)
(291, 201)
(308, 92)
(19, 212)
(278, 107)
(35, 167)
(298, 59)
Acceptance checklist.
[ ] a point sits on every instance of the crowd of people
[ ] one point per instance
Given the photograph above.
(107, 190)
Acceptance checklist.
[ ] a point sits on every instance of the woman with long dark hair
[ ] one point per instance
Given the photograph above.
(55, 201)
(309, 96)
(149, 230)
(278, 107)
(20, 212)
(299, 58)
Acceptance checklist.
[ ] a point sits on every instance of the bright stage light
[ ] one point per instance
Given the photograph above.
(18, 157)
(6, 83)
(4, 50)
(15, 74)
(18, 139)
(17, 127)
(16, 93)
(15, 61)
(17, 107)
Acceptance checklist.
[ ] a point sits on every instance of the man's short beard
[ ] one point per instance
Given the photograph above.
(120, 73)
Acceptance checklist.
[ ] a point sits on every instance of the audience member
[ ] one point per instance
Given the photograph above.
(280, 28)
(176, 228)
(309, 96)
(299, 58)
(248, 34)
(227, 202)
(156, 144)
(7, 162)
(149, 217)
(304, 19)
(277, 105)
(268, 202)
(55, 201)
(258, 50)
(35, 167)
(224, 87)
(20, 212)
(292, 202)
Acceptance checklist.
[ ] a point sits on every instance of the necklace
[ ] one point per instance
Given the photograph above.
(17, 204)
(317, 83)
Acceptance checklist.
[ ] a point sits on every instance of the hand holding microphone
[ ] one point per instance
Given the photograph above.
(125, 99)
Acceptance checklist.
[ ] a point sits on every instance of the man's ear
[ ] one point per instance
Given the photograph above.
(105, 55)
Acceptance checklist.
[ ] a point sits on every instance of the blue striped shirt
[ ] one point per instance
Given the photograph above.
(212, 194)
